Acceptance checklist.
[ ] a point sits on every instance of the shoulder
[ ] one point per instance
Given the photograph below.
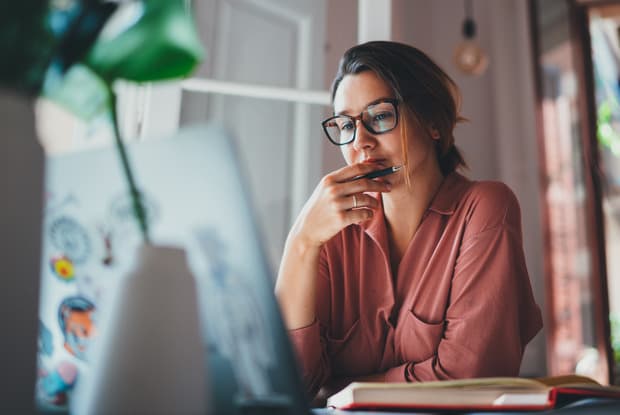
(490, 193)
(489, 204)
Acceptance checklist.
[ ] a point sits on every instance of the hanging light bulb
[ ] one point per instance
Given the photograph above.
(468, 56)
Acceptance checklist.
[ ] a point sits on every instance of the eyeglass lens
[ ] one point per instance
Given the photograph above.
(377, 118)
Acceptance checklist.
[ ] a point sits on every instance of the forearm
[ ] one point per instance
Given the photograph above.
(296, 284)
(327, 212)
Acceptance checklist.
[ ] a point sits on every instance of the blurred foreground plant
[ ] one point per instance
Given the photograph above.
(143, 41)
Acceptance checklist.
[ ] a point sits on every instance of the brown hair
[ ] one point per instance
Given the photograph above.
(430, 98)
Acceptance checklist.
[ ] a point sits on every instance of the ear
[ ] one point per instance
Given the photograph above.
(434, 134)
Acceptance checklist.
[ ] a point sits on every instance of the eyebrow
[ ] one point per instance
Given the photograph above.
(376, 101)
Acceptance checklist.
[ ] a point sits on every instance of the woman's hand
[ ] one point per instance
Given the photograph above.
(337, 202)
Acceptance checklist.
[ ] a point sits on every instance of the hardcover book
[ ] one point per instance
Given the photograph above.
(502, 393)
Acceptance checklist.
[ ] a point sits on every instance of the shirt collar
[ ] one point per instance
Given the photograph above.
(449, 194)
(375, 227)
(445, 202)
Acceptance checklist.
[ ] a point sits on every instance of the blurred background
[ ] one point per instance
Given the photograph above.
(542, 95)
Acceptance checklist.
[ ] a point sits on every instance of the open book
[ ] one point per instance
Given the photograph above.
(473, 394)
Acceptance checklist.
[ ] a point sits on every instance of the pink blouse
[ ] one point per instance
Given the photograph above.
(460, 306)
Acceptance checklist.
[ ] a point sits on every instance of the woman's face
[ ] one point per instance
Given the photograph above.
(354, 94)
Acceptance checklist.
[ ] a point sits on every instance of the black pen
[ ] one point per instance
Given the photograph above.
(377, 173)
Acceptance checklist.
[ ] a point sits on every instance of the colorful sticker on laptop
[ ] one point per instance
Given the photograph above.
(77, 320)
(71, 238)
(53, 385)
(62, 267)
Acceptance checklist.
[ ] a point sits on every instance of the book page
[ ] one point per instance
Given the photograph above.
(521, 399)
(477, 383)
(568, 380)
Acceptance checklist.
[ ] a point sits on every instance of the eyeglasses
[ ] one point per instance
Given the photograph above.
(380, 117)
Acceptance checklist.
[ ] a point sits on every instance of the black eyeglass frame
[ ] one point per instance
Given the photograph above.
(395, 102)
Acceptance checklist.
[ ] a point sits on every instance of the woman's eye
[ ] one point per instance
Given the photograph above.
(346, 126)
(383, 116)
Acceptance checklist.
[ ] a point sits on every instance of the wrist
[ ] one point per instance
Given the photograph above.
(302, 246)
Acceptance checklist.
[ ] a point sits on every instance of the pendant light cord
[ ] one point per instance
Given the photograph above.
(469, 26)
(469, 9)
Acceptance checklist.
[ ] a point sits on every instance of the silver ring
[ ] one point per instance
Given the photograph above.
(354, 202)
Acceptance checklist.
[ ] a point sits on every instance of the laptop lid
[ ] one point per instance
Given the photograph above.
(195, 197)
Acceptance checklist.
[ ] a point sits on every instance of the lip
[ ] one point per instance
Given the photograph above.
(379, 162)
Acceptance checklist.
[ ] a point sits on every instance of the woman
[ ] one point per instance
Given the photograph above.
(417, 275)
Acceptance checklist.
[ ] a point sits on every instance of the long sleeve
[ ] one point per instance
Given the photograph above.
(491, 313)
(309, 342)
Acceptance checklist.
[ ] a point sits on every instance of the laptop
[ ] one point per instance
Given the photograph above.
(195, 197)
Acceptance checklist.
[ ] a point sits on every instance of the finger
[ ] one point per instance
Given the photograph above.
(358, 201)
(363, 185)
(366, 201)
(349, 172)
(358, 215)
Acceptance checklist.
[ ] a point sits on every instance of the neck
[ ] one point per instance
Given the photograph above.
(404, 208)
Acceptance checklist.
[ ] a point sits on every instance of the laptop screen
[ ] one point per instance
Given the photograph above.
(194, 195)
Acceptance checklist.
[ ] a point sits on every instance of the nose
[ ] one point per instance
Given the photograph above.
(363, 138)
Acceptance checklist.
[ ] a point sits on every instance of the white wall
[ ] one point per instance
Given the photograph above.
(341, 34)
